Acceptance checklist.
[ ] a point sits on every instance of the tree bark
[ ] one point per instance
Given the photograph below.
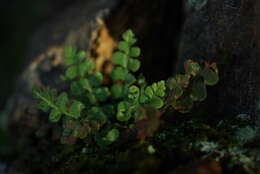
(225, 31)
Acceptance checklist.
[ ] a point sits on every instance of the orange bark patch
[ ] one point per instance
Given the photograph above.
(102, 48)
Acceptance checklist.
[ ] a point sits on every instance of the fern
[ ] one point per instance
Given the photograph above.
(91, 109)
(58, 105)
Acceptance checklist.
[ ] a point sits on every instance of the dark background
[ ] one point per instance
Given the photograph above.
(19, 21)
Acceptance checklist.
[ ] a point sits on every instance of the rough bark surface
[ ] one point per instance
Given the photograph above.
(225, 31)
